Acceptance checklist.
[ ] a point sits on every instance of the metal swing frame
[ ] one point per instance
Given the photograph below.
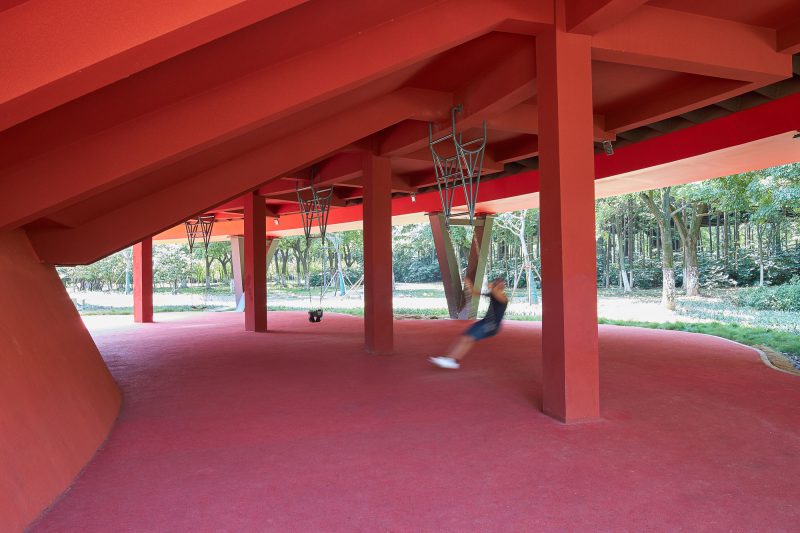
(200, 226)
(314, 210)
(461, 171)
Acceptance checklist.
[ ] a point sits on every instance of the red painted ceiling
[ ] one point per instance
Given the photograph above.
(122, 120)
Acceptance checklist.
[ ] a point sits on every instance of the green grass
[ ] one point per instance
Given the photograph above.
(781, 341)
(223, 289)
(91, 310)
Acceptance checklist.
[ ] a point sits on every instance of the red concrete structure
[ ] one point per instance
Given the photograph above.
(255, 267)
(143, 281)
(120, 122)
(59, 400)
(378, 318)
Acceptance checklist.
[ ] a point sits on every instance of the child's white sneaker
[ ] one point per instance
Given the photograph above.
(444, 362)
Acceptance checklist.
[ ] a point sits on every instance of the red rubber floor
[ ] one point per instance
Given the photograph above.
(299, 430)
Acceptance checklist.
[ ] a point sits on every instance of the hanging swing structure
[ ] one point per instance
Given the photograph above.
(315, 206)
(200, 226)
(459, 172)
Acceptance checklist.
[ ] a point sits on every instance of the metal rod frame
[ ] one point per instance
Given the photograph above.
(200, 226)
(460, 171)
(314, 210)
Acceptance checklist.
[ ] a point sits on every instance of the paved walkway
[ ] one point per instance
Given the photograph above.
(299, 430)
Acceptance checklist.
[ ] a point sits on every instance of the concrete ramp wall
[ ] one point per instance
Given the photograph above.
(57, 399)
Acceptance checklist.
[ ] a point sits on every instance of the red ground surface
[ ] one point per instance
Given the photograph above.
(299, 430)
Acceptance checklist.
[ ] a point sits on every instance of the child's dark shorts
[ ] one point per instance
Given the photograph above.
(483, 329)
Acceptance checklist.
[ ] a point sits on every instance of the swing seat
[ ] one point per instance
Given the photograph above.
(315, 315)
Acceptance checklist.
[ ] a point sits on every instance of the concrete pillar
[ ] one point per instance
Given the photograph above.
(448, 263)
(476, 265)
(143, 281)
(237, 264)
(255, 266)
(566, 165)
(272, 247)
(378, 318)
(450, 269)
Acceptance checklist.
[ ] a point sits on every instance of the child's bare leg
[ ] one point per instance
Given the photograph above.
(461, 347)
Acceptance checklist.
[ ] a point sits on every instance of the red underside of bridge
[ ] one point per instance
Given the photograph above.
(119, 121)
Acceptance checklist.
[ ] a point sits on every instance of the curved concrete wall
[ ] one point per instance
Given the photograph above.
(57, 399)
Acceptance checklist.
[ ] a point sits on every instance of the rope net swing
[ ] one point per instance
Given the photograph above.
(202, 227)
(315, 206)
(458, 172)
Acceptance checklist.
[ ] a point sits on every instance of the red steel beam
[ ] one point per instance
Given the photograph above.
(117, 229)
(789, 38)
(593, 16)
(61, 50)
(124, 152)
(683, 42)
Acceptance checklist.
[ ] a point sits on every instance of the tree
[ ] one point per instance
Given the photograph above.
(515, 223)
(171, 264)
(660, 206)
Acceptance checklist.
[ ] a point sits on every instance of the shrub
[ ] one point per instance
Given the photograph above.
(778, 298)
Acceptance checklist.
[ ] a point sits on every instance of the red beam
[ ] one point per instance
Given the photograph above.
(126, 151)
(510, 83)
(521, 147)
(789, 38)
(512, 192)
(672, 40)
(592, 16)
(524, 118)
(195, 194)
(59, 51)
(667, 102)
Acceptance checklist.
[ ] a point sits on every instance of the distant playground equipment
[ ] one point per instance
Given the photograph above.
(199, 227)
(339, 281)
(315, 206)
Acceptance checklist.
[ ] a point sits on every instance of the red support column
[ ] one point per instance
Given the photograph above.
(566, 165)
(143, 281)
(255, 263)
(378, 325)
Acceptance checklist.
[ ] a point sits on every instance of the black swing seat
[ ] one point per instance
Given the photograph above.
(315, 315)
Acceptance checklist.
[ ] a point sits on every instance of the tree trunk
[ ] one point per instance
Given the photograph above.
(623, 275)
(760, 234)
(691, 282)
(663, 217)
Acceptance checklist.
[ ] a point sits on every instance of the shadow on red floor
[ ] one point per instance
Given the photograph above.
(300, 430)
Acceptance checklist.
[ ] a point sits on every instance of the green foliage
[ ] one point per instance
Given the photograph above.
(105, 274)
(784, 297)
(413, 253)
(171, 264)
(781, 341)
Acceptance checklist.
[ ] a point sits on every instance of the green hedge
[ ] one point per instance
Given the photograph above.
(780, 298)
